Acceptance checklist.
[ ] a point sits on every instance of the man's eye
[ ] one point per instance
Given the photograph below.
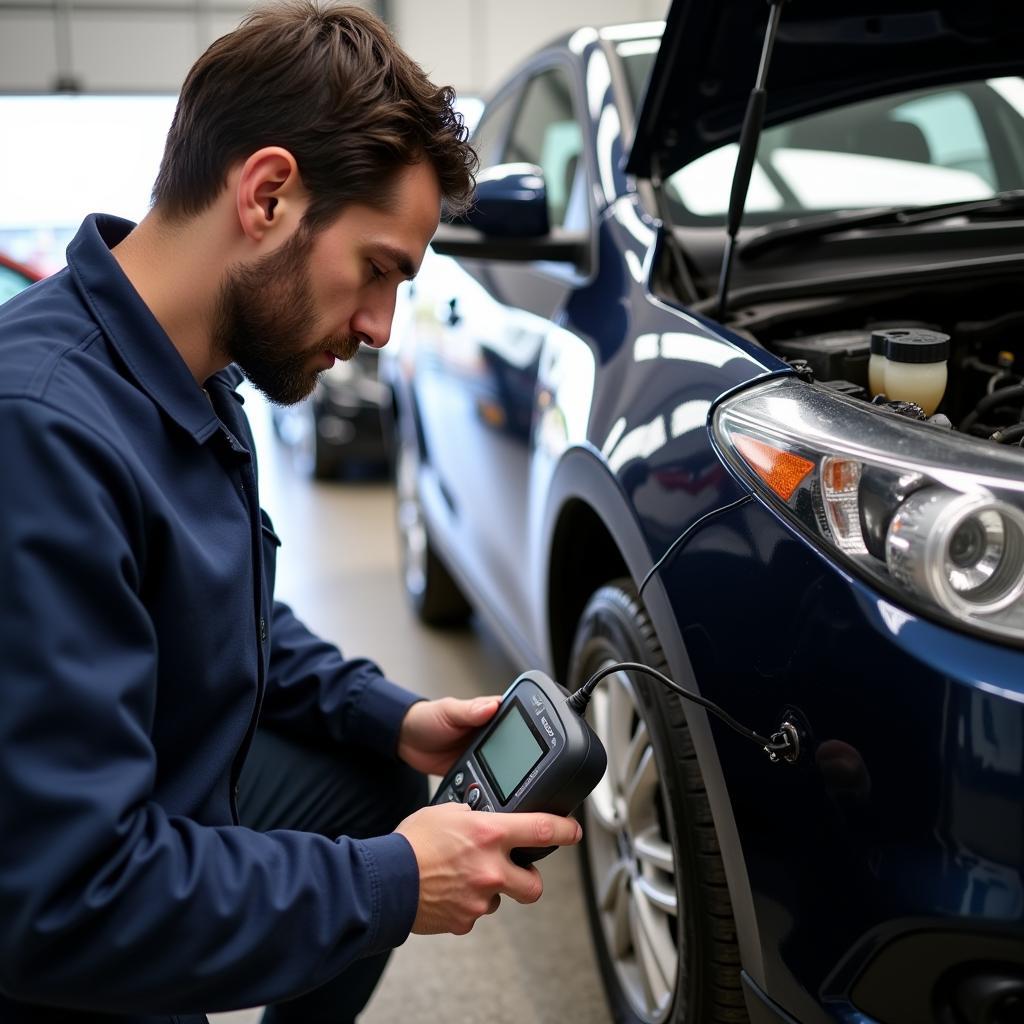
(376, 273)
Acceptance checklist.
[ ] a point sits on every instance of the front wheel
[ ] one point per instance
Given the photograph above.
(657, 902)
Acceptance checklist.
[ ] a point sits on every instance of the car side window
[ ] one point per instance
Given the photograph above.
(547, 132)
(489, 136)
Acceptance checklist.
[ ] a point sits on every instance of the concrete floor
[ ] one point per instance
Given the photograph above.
(338, 567)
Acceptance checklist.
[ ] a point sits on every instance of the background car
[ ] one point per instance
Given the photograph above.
(611, 456)
(14, 277)
(338, 430)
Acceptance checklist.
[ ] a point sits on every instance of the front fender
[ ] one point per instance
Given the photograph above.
(582, 475)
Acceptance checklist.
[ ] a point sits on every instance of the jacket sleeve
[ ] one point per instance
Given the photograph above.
(311, 687)
(107, 901)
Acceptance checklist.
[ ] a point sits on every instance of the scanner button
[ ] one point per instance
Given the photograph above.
(460, 778)
(473, 795)
(450, 796)
(486, 807)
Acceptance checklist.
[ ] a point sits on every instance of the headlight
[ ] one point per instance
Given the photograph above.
(966, 551)
(932, 517)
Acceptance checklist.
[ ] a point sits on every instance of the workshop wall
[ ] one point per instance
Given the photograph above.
(148, 45)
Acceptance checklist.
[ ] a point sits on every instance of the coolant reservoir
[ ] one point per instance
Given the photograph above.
(915, 366)
(876, 364)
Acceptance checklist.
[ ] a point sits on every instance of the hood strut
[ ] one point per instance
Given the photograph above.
(749, 139)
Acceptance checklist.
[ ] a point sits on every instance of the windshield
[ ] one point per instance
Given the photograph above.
(946, 144)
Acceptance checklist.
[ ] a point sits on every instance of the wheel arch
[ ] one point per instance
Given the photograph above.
(584, 556)
(589, 519)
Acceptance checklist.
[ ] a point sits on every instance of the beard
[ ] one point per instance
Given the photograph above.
(265, 313)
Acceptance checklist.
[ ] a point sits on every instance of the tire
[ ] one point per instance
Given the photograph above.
(657, 902)
(434, 595)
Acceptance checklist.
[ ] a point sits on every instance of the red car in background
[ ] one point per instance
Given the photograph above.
(15, 277)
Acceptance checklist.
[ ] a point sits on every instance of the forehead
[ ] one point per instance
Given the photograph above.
(405, 221)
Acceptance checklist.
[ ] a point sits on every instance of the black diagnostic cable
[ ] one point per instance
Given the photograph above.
(684, 536)
(783, 745)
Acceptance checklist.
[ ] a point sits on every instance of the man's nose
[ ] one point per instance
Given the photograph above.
(373, 324)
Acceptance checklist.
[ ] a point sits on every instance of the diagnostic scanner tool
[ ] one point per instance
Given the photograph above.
(534, 755)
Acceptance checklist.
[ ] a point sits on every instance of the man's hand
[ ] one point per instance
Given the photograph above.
(435, 732)
(463, 857)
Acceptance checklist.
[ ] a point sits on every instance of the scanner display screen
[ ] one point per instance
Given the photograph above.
(510, 752)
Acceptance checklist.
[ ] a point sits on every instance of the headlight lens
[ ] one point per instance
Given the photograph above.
(965, 550)
(934, 517)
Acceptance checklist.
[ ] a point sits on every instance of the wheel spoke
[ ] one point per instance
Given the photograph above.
(602, 802)
(661, 896)
(615, 901)
(637, 746)
(653, 850)
(602, 810)
(645, 958)
(613, 885)
(620, 721)
(658, 935)
(640, 790)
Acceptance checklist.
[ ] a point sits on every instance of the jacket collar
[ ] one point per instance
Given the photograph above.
(147, 351)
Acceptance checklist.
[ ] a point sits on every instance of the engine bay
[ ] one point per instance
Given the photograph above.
(827, 340)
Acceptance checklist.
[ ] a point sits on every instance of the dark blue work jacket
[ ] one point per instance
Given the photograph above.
(139, 644)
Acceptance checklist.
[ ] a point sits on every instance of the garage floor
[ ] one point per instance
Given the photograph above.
(338, 567)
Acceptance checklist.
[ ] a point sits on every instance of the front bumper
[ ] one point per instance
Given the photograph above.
(890, 860)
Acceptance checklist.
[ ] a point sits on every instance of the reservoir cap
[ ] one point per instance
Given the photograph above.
(911, 345)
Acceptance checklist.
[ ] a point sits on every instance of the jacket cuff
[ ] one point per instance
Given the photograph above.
(379, 712)
(392, 866)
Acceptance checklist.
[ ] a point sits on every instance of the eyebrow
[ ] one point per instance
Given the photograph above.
(399, 257)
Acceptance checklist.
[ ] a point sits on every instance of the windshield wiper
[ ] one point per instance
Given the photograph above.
(1011, 201)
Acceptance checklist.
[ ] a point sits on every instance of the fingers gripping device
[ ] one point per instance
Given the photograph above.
(534, 755)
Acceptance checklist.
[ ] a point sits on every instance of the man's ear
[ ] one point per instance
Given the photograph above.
(270, 196)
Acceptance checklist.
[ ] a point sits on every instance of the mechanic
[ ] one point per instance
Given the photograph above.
(145, 874)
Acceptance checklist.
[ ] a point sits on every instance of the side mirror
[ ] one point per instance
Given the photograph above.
(511, 201)
(509, 221)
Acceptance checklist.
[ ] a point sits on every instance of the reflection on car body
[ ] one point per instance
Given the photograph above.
(572, 398)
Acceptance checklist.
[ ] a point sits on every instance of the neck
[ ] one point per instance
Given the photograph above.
(177, 269)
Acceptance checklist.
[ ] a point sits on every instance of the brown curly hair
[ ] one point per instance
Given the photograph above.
(329, 84)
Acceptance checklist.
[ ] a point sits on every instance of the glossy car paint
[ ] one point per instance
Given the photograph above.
(538, 391)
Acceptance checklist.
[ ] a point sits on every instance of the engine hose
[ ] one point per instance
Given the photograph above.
(1009, 435)
(1012, 395)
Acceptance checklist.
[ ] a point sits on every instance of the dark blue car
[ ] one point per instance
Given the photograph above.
(783, 468)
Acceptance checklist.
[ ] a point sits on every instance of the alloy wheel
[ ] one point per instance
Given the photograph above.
(632, 859)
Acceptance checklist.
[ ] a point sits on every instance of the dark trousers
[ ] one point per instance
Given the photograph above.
(318, 788)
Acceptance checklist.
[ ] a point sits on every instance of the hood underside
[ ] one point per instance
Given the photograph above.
(828, 53)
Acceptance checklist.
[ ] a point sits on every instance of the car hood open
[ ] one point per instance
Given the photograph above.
(828, 53)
